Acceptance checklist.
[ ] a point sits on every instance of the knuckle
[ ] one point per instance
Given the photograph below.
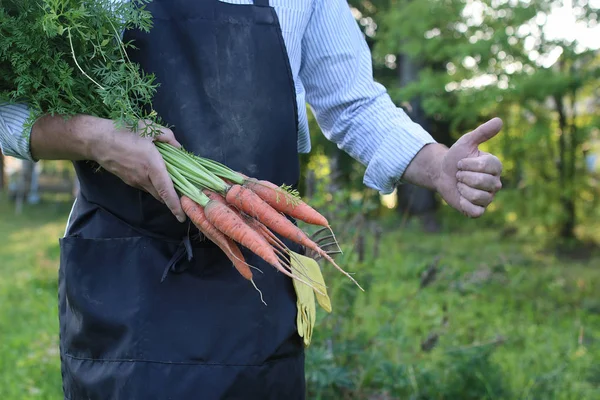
(478, 212)
(154, 161)
(168, 132)
(483, 197)
(163, 193)
(478, 180)
(132, 181)
(147, 169)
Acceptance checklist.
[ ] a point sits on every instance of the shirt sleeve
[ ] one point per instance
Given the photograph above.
(13, 140)
(353, 110)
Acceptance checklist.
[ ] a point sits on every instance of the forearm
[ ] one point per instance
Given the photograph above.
(352, 109)
(57, 138)
(424, 169)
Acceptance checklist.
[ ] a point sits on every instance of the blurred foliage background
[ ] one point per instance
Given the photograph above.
(503, 307)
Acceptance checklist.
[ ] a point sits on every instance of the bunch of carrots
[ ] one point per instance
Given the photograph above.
(230, 208)
(67, 57)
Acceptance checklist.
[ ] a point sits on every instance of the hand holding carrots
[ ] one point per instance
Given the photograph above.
(136, 161)
(231, 208)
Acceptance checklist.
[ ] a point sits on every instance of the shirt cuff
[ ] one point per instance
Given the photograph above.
(14, 140)
(393, 156)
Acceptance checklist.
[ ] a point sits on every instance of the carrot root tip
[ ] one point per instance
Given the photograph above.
(256, 268)
(259, 291)
(328, 258)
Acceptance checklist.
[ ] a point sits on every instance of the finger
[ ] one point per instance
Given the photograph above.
(470, 209)
(150, 189)
(475, 196)
(167, 136)
(487, 164)
(166, 191)
(145, 186)
(484, 132)
(478, 180)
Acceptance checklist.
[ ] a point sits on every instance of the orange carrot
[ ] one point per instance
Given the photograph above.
(284, 202)
(279, 247)
(231, 224)
(216, 197)
(196, 214)
(276, 245)
(249, 202)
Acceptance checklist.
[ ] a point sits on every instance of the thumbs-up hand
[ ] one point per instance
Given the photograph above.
(469, 178)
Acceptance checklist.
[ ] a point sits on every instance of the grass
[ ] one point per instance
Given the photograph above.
(461, 316)
(29, 358)
(496, 319)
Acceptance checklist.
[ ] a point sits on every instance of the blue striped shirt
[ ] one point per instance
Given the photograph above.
(332, 69)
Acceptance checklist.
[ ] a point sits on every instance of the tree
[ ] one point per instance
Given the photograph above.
(479, 59)
(453, 64)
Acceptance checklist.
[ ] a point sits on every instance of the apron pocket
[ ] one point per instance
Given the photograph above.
(113, 306)
(102, 294)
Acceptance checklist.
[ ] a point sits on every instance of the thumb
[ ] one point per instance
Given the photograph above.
(167, 136)
(484, 132)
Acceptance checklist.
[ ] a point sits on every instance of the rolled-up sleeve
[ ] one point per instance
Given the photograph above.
(352, 109)
(14, 141)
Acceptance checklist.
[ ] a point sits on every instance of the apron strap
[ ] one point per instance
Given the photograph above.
(261, 3)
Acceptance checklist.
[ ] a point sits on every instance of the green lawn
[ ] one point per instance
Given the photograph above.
(29, 360)
(500, 319)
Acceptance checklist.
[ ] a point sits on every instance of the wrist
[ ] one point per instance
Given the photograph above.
(96, 136)
(436, 159)
(426, 167)
(75, 138)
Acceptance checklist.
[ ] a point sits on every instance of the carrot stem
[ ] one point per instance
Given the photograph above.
(185, 187)
(220, 170)
(190, 168)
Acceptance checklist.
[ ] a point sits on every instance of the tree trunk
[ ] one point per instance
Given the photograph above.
(2, 173)
(23, 185)
(33, 196)
(335, 177)
(567, 229)
(414, 200)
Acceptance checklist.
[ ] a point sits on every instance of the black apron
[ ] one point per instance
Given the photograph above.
(148, 311)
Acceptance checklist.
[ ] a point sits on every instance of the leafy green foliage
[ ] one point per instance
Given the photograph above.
(479, 59)
(66, 57)
(459, 315)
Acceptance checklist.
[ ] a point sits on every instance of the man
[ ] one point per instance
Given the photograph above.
(234, 80)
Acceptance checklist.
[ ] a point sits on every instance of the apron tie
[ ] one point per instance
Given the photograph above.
(184, 249)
